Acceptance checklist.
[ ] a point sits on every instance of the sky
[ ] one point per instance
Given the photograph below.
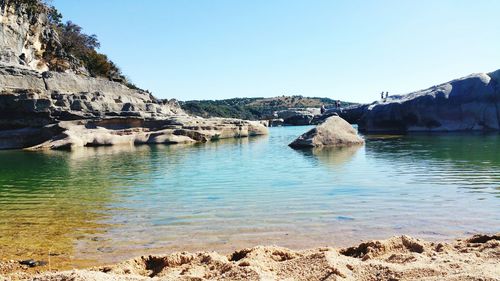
(343, 49)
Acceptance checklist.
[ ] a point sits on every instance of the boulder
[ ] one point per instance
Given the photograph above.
(335, 131)
(471, 103)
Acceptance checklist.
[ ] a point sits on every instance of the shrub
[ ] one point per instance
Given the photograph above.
(84, 47)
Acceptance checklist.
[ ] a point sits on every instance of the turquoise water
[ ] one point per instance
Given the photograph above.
(105, 204)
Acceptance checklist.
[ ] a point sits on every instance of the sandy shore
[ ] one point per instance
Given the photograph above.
(398, 258)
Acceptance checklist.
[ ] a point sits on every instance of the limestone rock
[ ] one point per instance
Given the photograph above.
(335, 131)
(471, 103)
(43, 109)
(136, 131)
(297, 116)
(21, 37)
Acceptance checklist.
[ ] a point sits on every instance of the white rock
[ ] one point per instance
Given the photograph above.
(335, 131)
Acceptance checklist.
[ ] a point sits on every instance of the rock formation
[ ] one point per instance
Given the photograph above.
(471, 103)
(297, 116)
(49, 109)
(335, 131)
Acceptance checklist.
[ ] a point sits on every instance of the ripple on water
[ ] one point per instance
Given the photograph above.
(105, 204)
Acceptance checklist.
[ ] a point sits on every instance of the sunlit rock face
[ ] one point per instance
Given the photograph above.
(70, 135)
(39, 106)
(471, 103)
(21, 36)
(335, 131)
(31, 99)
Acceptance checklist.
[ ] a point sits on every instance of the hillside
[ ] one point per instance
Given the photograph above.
(35, 37)
(254, 108)
(58, 92)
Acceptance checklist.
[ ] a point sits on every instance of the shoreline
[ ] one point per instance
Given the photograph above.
(396, 258)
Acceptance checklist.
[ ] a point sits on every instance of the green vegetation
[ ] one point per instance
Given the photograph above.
(253, 108)
(83, 47)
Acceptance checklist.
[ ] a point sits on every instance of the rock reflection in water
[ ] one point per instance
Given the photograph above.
(334, 157)
(101, 205)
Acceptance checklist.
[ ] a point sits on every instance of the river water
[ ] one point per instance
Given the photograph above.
(102, 205)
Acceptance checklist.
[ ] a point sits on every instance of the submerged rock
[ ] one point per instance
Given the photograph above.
(335, 131)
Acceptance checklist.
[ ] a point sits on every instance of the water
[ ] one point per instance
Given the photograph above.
(100, 205)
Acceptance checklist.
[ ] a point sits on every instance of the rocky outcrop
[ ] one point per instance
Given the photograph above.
(66, 110)
(135, 131)
(28, 38)
(335, 131)
(47, 109)
(297, 116)
(351, 114)
(22, 36)
(32, 99)
(471, 103)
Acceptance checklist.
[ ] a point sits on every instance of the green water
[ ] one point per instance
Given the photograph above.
(105, 204)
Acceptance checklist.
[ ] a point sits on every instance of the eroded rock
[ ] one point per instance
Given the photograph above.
(136, 131)
(471, 103)
(335, 131)
(297, 116)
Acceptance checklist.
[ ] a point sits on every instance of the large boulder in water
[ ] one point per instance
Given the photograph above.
(335, 131)
(471, 103)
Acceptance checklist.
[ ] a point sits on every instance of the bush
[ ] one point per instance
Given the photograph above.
(84, 47)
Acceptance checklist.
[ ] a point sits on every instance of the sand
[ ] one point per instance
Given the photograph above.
(398, 258)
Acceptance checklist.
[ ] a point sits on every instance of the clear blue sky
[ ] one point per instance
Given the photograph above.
(348, 50)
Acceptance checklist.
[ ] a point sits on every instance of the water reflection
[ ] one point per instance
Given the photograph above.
(470, 161)
(47, 204)
(481, 149)
(106, 204)
(333, 157)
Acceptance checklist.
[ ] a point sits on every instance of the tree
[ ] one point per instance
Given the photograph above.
(84, 47)
(55, 17)
(74, 41)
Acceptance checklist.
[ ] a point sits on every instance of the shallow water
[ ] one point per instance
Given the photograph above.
(100, 205)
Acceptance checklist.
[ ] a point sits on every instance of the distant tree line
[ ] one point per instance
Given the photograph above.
(253, 108)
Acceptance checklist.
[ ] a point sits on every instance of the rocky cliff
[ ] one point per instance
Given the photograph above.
(470, 103)
(22, 36)
(49, 109)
